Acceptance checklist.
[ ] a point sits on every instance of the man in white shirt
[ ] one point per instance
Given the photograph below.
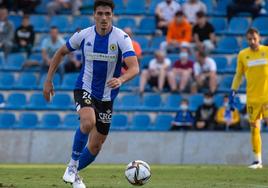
(191, 7)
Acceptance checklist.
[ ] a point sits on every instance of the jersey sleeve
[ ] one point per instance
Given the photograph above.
(75, 41)
(125, 44)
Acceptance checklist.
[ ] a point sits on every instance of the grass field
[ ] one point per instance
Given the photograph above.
(112, 176)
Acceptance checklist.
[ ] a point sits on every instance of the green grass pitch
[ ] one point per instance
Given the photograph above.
(112, 176)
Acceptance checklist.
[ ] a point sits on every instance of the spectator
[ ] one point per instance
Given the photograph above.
(191, 7)
(56, 5)
(156, 73)
(6, 32)
(25, 6)
(182, 71)
(179, 33)
(164, 14)
(226, 118)
(205, 71)
(203, 33)
(205, 114)
(184, 119)
(49, 46)
(24, 36)
(238, 6)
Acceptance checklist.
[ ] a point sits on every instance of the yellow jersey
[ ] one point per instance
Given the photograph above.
(254, 66)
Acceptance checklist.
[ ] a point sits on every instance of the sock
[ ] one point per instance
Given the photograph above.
(256, 142)
(85, 159)
(80, 141)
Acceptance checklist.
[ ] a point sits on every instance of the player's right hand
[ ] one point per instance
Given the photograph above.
(48, 90)
(232, 100)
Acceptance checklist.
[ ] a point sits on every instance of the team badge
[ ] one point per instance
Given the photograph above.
(112, 47)
(87, 101)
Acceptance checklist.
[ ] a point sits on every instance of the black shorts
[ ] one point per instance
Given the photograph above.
(103, 109)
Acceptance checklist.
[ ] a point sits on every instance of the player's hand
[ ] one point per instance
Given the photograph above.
(48, 90)
(114, 83)
(232, 100)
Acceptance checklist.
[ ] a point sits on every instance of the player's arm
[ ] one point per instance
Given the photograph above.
(133, 69)
(48, 90)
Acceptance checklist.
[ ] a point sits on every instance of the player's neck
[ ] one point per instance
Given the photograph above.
(103, 32)
(256, 48)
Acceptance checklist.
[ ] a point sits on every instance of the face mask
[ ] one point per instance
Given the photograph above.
(184, 107)
(208, 101)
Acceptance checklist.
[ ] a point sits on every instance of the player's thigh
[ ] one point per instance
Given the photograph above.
(254, 111)
(87, 118)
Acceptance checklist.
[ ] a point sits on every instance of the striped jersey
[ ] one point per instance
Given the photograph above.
(102, 58)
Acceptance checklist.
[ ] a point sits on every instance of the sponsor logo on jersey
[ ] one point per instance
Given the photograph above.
(257, 62)
(105, 117)
(113, 47)
(87, 101)
(102, 57)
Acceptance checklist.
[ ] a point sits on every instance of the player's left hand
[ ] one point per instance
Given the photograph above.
(48, 91)
(114, 83)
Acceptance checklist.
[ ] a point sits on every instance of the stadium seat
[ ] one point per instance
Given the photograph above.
(210, 6)
(131, 85)
(56, 81)
(238, 26)
(195, 101)
(27, 120)
(81, 22)
(61, 101)
(38, 42)
(152, 6)
(26, 81)
(71, 121)
(227, 45)
(219, 24)
(144, 63)
(6, 80)
(39, 22)
(162, 122)
(16, 101)
(225, 84)
(16, 20)
(260, 24)
(221, 8)
(50, 121)
(7, 120)
(62, 22)
(172, 102)
(151, 102)
(140, 122)
(2, 100)
(146, 26)
(135, 7)
(144, 43)
(117, 103)
(119, 122)
(130, 102)
(156, 41)
(221, 62)
(218, 100)
(120, 7)
(69, 81)
(126, 22)
(37, 102)
(42, 7)
(231, 67)
(15, 61)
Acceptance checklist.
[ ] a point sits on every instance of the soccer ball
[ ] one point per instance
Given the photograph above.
(138, 172)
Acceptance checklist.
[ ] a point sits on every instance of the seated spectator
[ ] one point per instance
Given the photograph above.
(181, 72)
(49, 46)
(24, 36)
(156, 73)
(227, 119)
(6, 32)
(203, 33)
(56, 5)
(191, 7)
(179, 33)
(205, 114)
(205, 72)
(25, 6)
(238, 6)
(184, 119)
(164, 14)
(73, 63)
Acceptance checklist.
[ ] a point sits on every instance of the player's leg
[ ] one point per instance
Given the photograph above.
(172, 80)
(162, 79)
(185, 77)
(143, 81)
(212, 82)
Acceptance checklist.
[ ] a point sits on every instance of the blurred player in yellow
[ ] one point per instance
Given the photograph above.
(252, 62)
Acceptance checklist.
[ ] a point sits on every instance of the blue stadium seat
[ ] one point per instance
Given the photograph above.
(16, 101)
(147, 26)
(61, 22)
(131, 85)
(26, 81)
(156, 41)
(6, 80)
(119, 122)
(50, 121)
(225, 84)
(56, 81)
(2, 100)
(238, 26)
(117, 103)
(151, 102)
(195, 101)
(162, 122)
(227, 45)
(69, 81)
(146, 60)
(172, 102)
(120, 7)
(80, 22)
(42, 7)
(7, 120)
(135, 7)
(221, 62)
(130, 102)
(61, 101)
(151, 9)
(221, 8)
(71, 121)
(218, 100)
(231, 67)
(144, 43)
(219, 24)
(37, 102)
(140, 122)
(38, 42)
(126, 22)
(16, 20)
(40, 23)
(15, 61)
(260, 24)
(210, 6)
(27, 120)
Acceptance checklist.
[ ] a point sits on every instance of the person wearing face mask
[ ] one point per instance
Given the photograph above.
(184, 119)
(205, 114)
(226, 118)
(182, 72)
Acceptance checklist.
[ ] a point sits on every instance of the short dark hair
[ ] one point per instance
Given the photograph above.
(179, 13)
(53, 27)
(200, 14)
(202, 53)
(253, 30)
(108, 3)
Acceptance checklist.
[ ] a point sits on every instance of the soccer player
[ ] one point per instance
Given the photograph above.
(253, 63)
(104, 47)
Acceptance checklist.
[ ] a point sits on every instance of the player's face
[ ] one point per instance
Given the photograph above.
(253, 41)
(103, 16)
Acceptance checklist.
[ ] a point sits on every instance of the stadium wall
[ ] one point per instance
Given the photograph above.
(39, 146)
